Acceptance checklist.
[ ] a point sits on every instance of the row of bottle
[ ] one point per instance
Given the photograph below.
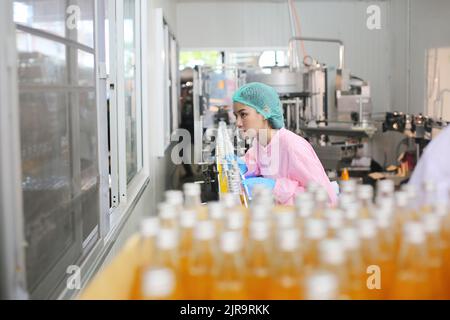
(358, 250)
(229, 175)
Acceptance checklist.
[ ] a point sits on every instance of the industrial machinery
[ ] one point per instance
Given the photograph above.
(337, 132)
(418, 129)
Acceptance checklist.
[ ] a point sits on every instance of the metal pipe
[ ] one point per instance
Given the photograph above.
(312, 39)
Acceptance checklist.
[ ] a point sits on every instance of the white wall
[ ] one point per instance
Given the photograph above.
(239, 24)
(419, 27)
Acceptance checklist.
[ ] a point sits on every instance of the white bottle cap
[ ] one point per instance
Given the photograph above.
(259, 230)
(350, 239)
(230, 200)
(335, 219)
(303, 197)
(174, 197)
(413, 232)
(289, 239)
(259, 212)
(188, 219)
(205, 230)
(215, 210)
(192, 189)
(235, 221)
(345, 200)
(385, 186)
(367, 229)
(383, 217)
(285, 220)
(348, 187)
(150, 227)
(365, 192)
(262, 195)
(401, 199)
(231, 242)
(321, 195)
(315, 229)
(322, 285)
(386, 203)
(331, 251)
(352, 211)
(411, 190)
(305, 209)
(167, 239)
(312, 187)
(167, 211)
(431, 223)
(158, 283)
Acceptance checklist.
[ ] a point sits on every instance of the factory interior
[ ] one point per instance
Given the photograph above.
(134, 160)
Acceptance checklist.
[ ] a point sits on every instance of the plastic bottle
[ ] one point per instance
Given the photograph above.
(435, 261)
(149, 228)
(315, 231)
(259, 261)
(286, 283)
(387, 247)
(411, 279)
(192, 200)
(167, 216)
(188, 220)
(367, 231)
(217, 216)
(365, 196)
(201, 262)
(332, 259)
(354, 262)
(229, 275)
(335, 221)
(167, 257)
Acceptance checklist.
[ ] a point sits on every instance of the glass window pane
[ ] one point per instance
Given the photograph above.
(88, 140)
(45, 15)
(130, 87)
(85, 26)
(58, 113)
(41, 61)
(53, 15)
(86, 69)
(46, 179)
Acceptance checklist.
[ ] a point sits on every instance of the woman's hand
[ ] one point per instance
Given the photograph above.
(241, 163)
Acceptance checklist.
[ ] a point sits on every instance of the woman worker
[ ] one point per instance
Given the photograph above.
(278, 159)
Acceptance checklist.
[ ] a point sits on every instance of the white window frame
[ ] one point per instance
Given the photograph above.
(12, 253)
(124, 195)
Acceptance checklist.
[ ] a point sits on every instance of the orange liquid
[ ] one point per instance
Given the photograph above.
(410, 285)
(257, 283)
(229, 290)
(286, 288)
(200, 277)
(258, 271)
(286, 282)
(229, 280)
(411, 280)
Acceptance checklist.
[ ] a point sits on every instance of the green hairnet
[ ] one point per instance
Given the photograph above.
(264, 100)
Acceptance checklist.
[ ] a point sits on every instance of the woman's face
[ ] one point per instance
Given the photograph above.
(249, 120)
